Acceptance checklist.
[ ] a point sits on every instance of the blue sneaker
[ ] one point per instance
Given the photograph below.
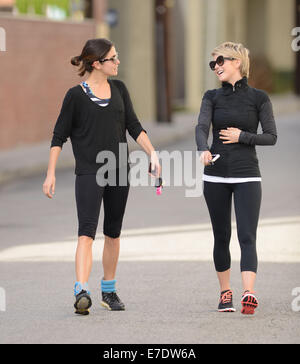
(83, 300)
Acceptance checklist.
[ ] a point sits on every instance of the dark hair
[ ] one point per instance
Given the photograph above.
(94, 50)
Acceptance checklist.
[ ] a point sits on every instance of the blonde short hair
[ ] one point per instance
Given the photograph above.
(235, 50)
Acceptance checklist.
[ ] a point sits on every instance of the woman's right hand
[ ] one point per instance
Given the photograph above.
(49, 185)
(206, 157)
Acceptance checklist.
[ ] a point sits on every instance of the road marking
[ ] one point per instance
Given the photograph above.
(278, 240)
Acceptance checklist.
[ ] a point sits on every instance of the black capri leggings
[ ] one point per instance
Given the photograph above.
(247, 200)
(89, 197)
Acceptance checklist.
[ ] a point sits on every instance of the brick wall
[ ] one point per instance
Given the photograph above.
(35, 73)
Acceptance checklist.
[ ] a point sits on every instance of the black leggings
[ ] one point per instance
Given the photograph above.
(89, 196)
(247, 200)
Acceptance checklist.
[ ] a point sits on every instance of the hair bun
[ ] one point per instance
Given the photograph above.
(75, 61)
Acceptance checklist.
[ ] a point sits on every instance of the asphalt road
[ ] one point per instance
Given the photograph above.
(168, 301)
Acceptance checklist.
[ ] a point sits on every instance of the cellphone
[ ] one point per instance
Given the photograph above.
(215, 158)
(158, 181)
(150, 170)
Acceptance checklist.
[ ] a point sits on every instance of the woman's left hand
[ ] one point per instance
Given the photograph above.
(156, 167)
(230, 135)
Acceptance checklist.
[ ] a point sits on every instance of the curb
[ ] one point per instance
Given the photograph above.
(26, 161)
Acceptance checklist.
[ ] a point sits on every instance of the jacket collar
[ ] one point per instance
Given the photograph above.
(228, 88)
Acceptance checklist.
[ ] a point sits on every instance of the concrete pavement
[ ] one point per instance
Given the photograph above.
(167, 302)
(165, 275)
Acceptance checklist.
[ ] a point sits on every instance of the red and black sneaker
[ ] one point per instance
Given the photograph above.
(225, 303)
(249, 303)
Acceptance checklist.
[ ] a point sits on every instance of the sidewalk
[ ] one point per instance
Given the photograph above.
(33, 159)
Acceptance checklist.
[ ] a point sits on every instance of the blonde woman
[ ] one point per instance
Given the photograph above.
(231, 165)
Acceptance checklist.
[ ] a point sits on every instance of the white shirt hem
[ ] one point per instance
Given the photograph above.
(216, 179)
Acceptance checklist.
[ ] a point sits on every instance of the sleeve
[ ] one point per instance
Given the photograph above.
(204, 122)
(63, 126)
(133, 125)
(266, 118)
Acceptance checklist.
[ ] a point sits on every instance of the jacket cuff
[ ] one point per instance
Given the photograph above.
(243, 138)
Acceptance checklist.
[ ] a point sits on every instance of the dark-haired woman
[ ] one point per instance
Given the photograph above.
(96, 115)
(235, 111)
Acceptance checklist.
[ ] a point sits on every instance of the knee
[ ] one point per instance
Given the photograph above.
(86, 239)
(112, 236)
(247, 238)
(87, 229)
(112, 229)
(222, 238)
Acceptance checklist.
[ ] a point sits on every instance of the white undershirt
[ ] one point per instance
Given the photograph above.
(216, 179)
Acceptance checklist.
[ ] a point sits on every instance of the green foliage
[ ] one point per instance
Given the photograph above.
(22, 6)
(38, 7)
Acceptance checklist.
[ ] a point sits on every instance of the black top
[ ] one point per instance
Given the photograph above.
(93, 128)
(242, 107)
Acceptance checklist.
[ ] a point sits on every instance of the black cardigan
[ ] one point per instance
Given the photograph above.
(239, 106)
(93, 128)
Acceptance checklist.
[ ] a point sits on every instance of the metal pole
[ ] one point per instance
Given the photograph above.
(99, 10)
(163, 67)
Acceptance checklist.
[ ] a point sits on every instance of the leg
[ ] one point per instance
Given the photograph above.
(224, 280)
(83, 258)
(247, 200)
(248, 279)
(114, 200)
(88, 200)
(110, 257)
(218, 197)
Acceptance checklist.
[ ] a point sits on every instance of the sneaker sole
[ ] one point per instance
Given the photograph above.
(82, 306)
(227, 310)
(105, 305)
(249, 304)
(82, 312)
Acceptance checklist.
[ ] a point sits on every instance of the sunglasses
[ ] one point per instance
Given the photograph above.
(113, 59)
(220, 62)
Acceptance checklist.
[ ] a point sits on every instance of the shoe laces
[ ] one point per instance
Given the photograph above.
(226, 297)
(112, 297)
(78, 288)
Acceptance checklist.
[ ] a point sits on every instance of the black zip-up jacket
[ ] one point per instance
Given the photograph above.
(239, 106)
(93, 128)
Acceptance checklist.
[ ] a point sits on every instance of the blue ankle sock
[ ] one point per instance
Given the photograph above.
(108, 286)
(78, 287)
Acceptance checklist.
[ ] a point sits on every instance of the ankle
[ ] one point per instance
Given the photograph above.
(80, 286)
(108, 285)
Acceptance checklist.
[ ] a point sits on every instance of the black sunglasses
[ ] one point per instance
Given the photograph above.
(114, 59)
(219, 61)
